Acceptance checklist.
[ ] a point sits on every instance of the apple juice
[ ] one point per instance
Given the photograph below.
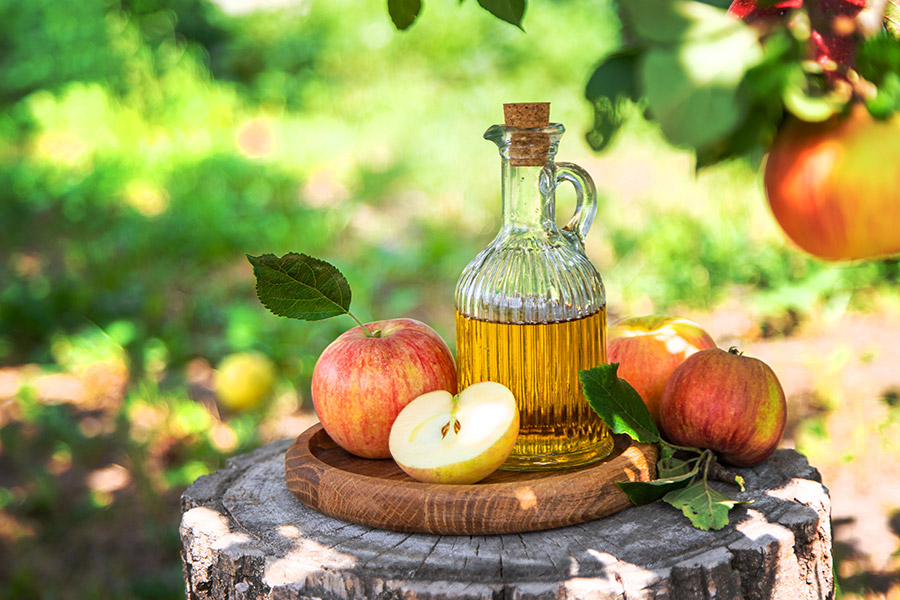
(539, 363)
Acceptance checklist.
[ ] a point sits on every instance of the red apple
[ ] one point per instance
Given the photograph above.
(360, 383)
(726, 402)
(834, 187)
(649, 348)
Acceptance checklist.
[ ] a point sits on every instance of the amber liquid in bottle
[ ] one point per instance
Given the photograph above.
(539, 363)
(531, 308)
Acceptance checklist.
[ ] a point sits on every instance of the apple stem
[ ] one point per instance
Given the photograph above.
(377, 332)
(706, 466)
(684, 448)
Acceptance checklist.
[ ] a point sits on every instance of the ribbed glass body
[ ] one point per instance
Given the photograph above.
(531, 309)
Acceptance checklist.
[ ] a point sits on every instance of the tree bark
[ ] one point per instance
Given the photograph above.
(246, 537)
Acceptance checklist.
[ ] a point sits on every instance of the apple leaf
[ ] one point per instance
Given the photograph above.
(511, 11)
(300, 286)
(892, 17)
(762, 88)
(404, 12)
(878, 61)
(672, 22)
(617, 403)
(706, 507)
(693, 89)
(645, 492)
(670, 466)
(702, 74)
(608, 90)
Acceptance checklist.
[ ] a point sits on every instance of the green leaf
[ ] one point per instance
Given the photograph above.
(805, 101)
(404, 12)
(878, 61)
(878, 56)
(511, 11)
(300, 286)
(763, 86)
(612, 84)
(693, 89)
(670, 466)
(676, 22)
(720, 3)
(706, 507)
(615, 77)
(666, 450)
(892, 17)
(645, 492)
(887, 101)
(617, 403)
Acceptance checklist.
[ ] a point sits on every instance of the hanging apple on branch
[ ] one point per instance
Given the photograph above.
(814, 82)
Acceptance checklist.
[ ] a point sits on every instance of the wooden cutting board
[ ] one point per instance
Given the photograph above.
(379, 494)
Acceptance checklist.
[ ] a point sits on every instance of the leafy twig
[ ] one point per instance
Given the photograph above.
(681, 482)
(302, 287)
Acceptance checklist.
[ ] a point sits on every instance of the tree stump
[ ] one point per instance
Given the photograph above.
(246, 537)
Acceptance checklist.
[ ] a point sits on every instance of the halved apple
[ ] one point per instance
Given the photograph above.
(442, 438)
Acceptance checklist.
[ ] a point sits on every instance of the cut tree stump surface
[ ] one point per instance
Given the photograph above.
(245, 536)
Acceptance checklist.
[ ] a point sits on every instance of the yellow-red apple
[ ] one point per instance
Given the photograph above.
(649, 348)
(361, 383)
(442, 438)
(834, 187)
(726, 402)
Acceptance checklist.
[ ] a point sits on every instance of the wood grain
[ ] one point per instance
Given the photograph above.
(244, 535)
(377, 493)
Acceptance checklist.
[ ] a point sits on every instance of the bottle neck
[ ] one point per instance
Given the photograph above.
(528, 198)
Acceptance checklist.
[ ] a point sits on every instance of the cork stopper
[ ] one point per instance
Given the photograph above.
(527, 114)
(528, 148)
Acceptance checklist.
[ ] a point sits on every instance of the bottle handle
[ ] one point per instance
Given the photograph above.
(585, 198)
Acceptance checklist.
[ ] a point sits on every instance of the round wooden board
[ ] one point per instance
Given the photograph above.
(379, 494)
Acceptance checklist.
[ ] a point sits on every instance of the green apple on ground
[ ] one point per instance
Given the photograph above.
(649, 348)
(727, 402)
(363, 380)
(442, 438)
(243, 380)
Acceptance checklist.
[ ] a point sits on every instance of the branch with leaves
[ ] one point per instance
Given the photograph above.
(721, 82)
(683, 472)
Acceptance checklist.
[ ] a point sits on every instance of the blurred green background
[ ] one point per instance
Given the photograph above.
(146, 146)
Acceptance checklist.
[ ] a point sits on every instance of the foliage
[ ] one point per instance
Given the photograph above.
(300, 286)
(405, 12)
(677, 482)
(721, 85)
(147, 146)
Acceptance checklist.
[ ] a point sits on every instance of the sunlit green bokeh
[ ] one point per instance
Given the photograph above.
(147, 146)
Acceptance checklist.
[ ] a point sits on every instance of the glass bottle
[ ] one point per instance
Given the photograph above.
(530, 307)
